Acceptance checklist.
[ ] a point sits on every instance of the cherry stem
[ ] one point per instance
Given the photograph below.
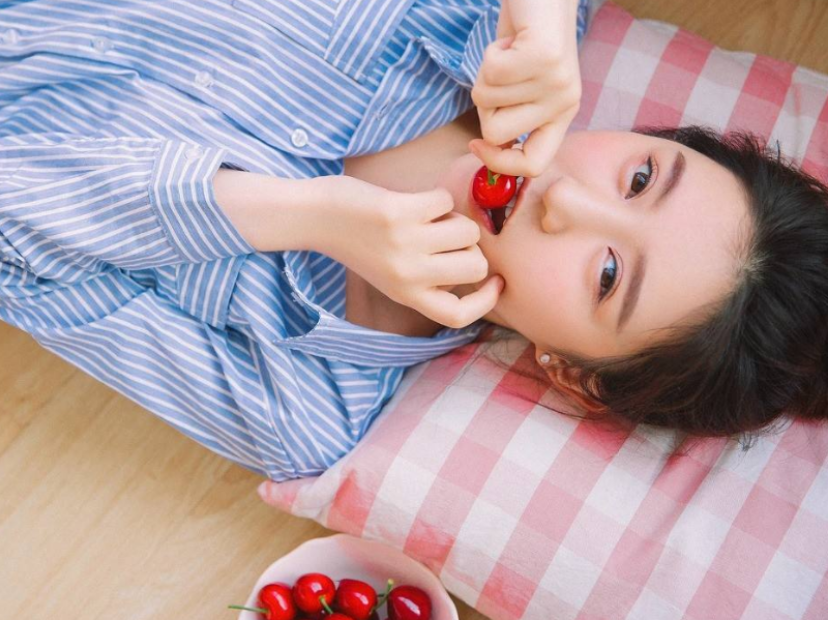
(491, 179)
(325, 605)
(383, 597)
(256, 609)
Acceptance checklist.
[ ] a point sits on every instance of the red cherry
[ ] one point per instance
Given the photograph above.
(310, 588)
(355, 598)
(492, 191)
(338, 616)
(275, 602)
(409, 603)
(276, 597)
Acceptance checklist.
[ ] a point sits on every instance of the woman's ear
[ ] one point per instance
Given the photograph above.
(566, 379)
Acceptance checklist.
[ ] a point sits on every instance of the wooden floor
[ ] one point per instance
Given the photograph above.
(106, 512)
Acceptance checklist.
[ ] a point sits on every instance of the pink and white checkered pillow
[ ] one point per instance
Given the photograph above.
(526, 513)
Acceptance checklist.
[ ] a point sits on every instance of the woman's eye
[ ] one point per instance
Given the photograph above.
(641, 179)
(608, 277)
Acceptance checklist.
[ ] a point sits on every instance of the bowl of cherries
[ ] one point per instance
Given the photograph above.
(342, 577)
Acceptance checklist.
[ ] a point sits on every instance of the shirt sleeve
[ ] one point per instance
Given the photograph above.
(68, 203)
(73, 209)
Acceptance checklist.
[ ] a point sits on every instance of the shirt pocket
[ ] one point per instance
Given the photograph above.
(347, 34)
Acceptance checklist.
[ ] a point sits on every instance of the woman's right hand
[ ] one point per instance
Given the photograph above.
(410, 246)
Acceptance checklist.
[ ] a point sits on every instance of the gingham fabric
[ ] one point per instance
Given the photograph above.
(526, 513)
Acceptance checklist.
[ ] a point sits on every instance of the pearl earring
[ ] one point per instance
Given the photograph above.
(545, 358)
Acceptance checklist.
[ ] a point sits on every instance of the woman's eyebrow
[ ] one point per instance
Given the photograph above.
(639, 263)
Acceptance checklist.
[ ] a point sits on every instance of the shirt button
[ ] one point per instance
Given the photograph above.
(101, 45)
(382, 110)
(204, 79)
(299, 138)
(194, 152)
(10, 37)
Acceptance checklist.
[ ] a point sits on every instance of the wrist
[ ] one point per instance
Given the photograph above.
(296, 214)
(274, 214)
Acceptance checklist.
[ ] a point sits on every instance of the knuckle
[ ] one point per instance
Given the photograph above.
(571, 97)
(386, 218)
(534, 168)
(576, 105)
(445, 198)
(492, 72)
(490, 53)
(454, 321)
(479, 97)
(400, 270)
(396, 239)
(576, 89)
(492, 134)
(552, 55)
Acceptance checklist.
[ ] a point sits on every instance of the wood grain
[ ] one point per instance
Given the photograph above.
(106, 512)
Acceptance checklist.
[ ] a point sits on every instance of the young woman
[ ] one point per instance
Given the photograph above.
(674, 277)
(253, 229)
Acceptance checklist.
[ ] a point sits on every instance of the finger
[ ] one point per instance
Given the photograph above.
(542, 145)
(513, 162)
(510, 123)
(434, 203)
(535, 156)
(447, 309)
(452, 232)
(494, 158)
(486, 96)
(502, 67)
(466, 266)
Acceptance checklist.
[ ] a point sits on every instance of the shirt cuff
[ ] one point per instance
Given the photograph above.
(181, 193)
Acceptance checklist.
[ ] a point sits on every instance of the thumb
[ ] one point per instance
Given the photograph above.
(482, 301)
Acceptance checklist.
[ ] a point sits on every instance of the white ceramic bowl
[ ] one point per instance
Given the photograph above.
(347, 557)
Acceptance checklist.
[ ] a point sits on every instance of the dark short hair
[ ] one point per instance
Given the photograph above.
(761, 352)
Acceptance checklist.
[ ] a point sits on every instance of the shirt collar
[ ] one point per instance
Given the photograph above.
(336, 339)
(463, 65)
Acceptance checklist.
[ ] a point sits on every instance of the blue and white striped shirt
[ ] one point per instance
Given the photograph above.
(114, 117)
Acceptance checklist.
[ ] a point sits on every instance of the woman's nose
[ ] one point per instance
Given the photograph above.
(569, 203)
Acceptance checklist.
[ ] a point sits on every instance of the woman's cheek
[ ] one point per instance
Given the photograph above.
(533, 284)
(457, 178)
(551, 280)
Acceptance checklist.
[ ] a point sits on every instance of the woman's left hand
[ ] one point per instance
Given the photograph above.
(528, 82)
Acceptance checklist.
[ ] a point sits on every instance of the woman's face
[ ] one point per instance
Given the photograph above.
(602, 251)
